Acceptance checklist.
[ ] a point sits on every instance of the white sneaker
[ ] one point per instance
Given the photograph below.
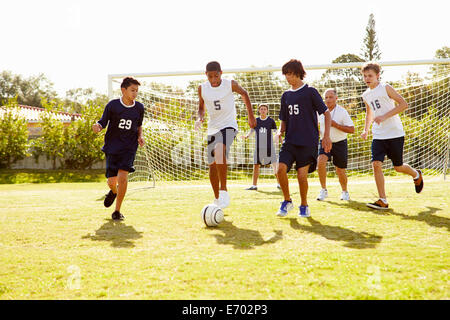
(345, 195)
(224, 199)
(322, 194)
(216, 202)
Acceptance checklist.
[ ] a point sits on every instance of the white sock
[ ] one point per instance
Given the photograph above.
(384, 200)
(417, 175)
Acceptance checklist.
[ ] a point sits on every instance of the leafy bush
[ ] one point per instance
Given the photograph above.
(13, 135)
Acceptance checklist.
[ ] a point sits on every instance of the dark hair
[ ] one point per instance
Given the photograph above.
(213, 66)
(128, 81)
(371, 66)
(263, 105)
(295, 67)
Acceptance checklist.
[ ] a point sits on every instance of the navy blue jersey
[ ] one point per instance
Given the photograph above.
(263, 130)
(298, 110)
(124, 121)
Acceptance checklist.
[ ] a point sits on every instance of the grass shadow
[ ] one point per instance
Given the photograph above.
(243, 239)
(424, 216)
(359, 206)
(271, 193)
(428, 217)
(117, 232)
(353, 239)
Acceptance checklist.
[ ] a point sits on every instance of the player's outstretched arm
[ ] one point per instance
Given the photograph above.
(141, 139)
(201, 110)
(102, 123)
(238, 89)
(326, 140)
(400, 107)
(281, 131)
(368, 122)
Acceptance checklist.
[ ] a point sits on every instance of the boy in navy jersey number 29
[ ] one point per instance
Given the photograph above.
(299, 120)
(123, 117)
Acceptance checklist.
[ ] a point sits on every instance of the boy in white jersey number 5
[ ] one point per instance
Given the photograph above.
(387, 130)
(217, 95)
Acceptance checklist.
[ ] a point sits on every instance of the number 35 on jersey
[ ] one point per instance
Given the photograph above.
(294, 109)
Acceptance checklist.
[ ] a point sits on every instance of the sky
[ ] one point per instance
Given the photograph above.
(78, 43)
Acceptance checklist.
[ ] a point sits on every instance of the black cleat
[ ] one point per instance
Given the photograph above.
(418, 183)
(117, 215)
(109, 199)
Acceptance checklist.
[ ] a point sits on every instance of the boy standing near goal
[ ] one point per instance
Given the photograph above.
(124, 118)
(298, 115)
(264, 148)
(217, 96)
(341, 125)
(387, 129)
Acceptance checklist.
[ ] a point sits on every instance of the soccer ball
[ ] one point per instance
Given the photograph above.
(212, 215)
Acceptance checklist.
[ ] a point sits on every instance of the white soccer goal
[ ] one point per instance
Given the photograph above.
(174, 151)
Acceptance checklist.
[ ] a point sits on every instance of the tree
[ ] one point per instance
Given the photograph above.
(371, 50)
(342, 74)
(77, 98)
(28, 91)
(438, 69)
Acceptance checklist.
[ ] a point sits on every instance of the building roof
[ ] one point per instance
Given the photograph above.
(33, 114)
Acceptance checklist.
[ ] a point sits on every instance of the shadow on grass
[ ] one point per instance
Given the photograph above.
(427, 217)
(356, 240)
(117, 232)
(360, 206)
(243, 239)
(424, 216)
(271, 193)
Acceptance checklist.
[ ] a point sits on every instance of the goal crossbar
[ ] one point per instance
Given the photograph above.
(112, 77)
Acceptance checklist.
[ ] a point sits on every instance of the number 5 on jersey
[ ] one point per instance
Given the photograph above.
(125, 124)
(217, 104)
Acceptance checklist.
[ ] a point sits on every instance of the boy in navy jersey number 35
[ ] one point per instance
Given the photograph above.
(124, 118)
(299, 120)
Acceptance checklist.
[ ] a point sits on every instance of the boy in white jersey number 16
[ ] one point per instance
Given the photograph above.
(217, 96)
(387, 130)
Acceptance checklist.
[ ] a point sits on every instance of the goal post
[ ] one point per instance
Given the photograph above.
(174, 151)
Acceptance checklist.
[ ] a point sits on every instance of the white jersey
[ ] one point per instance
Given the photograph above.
(340, 116)
(379, 101)
(219, 102)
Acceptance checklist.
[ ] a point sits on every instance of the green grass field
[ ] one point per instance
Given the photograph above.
(57, 241)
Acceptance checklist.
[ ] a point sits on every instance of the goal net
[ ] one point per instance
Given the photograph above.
(174, 151)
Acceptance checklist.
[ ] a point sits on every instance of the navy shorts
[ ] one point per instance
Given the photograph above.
(393, 148)
(123, 161)
(301, 155)
(338, 153)
(225, 136)
(264, 156)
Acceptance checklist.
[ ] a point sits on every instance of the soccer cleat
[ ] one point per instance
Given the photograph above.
(216, 202)
(117, 215)
(379, 205)
(224, 199)
(418, 183)
(286, 206)
(345, 195)
(109, 199)
(322, 194)
(304, 212)
(252, 188)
